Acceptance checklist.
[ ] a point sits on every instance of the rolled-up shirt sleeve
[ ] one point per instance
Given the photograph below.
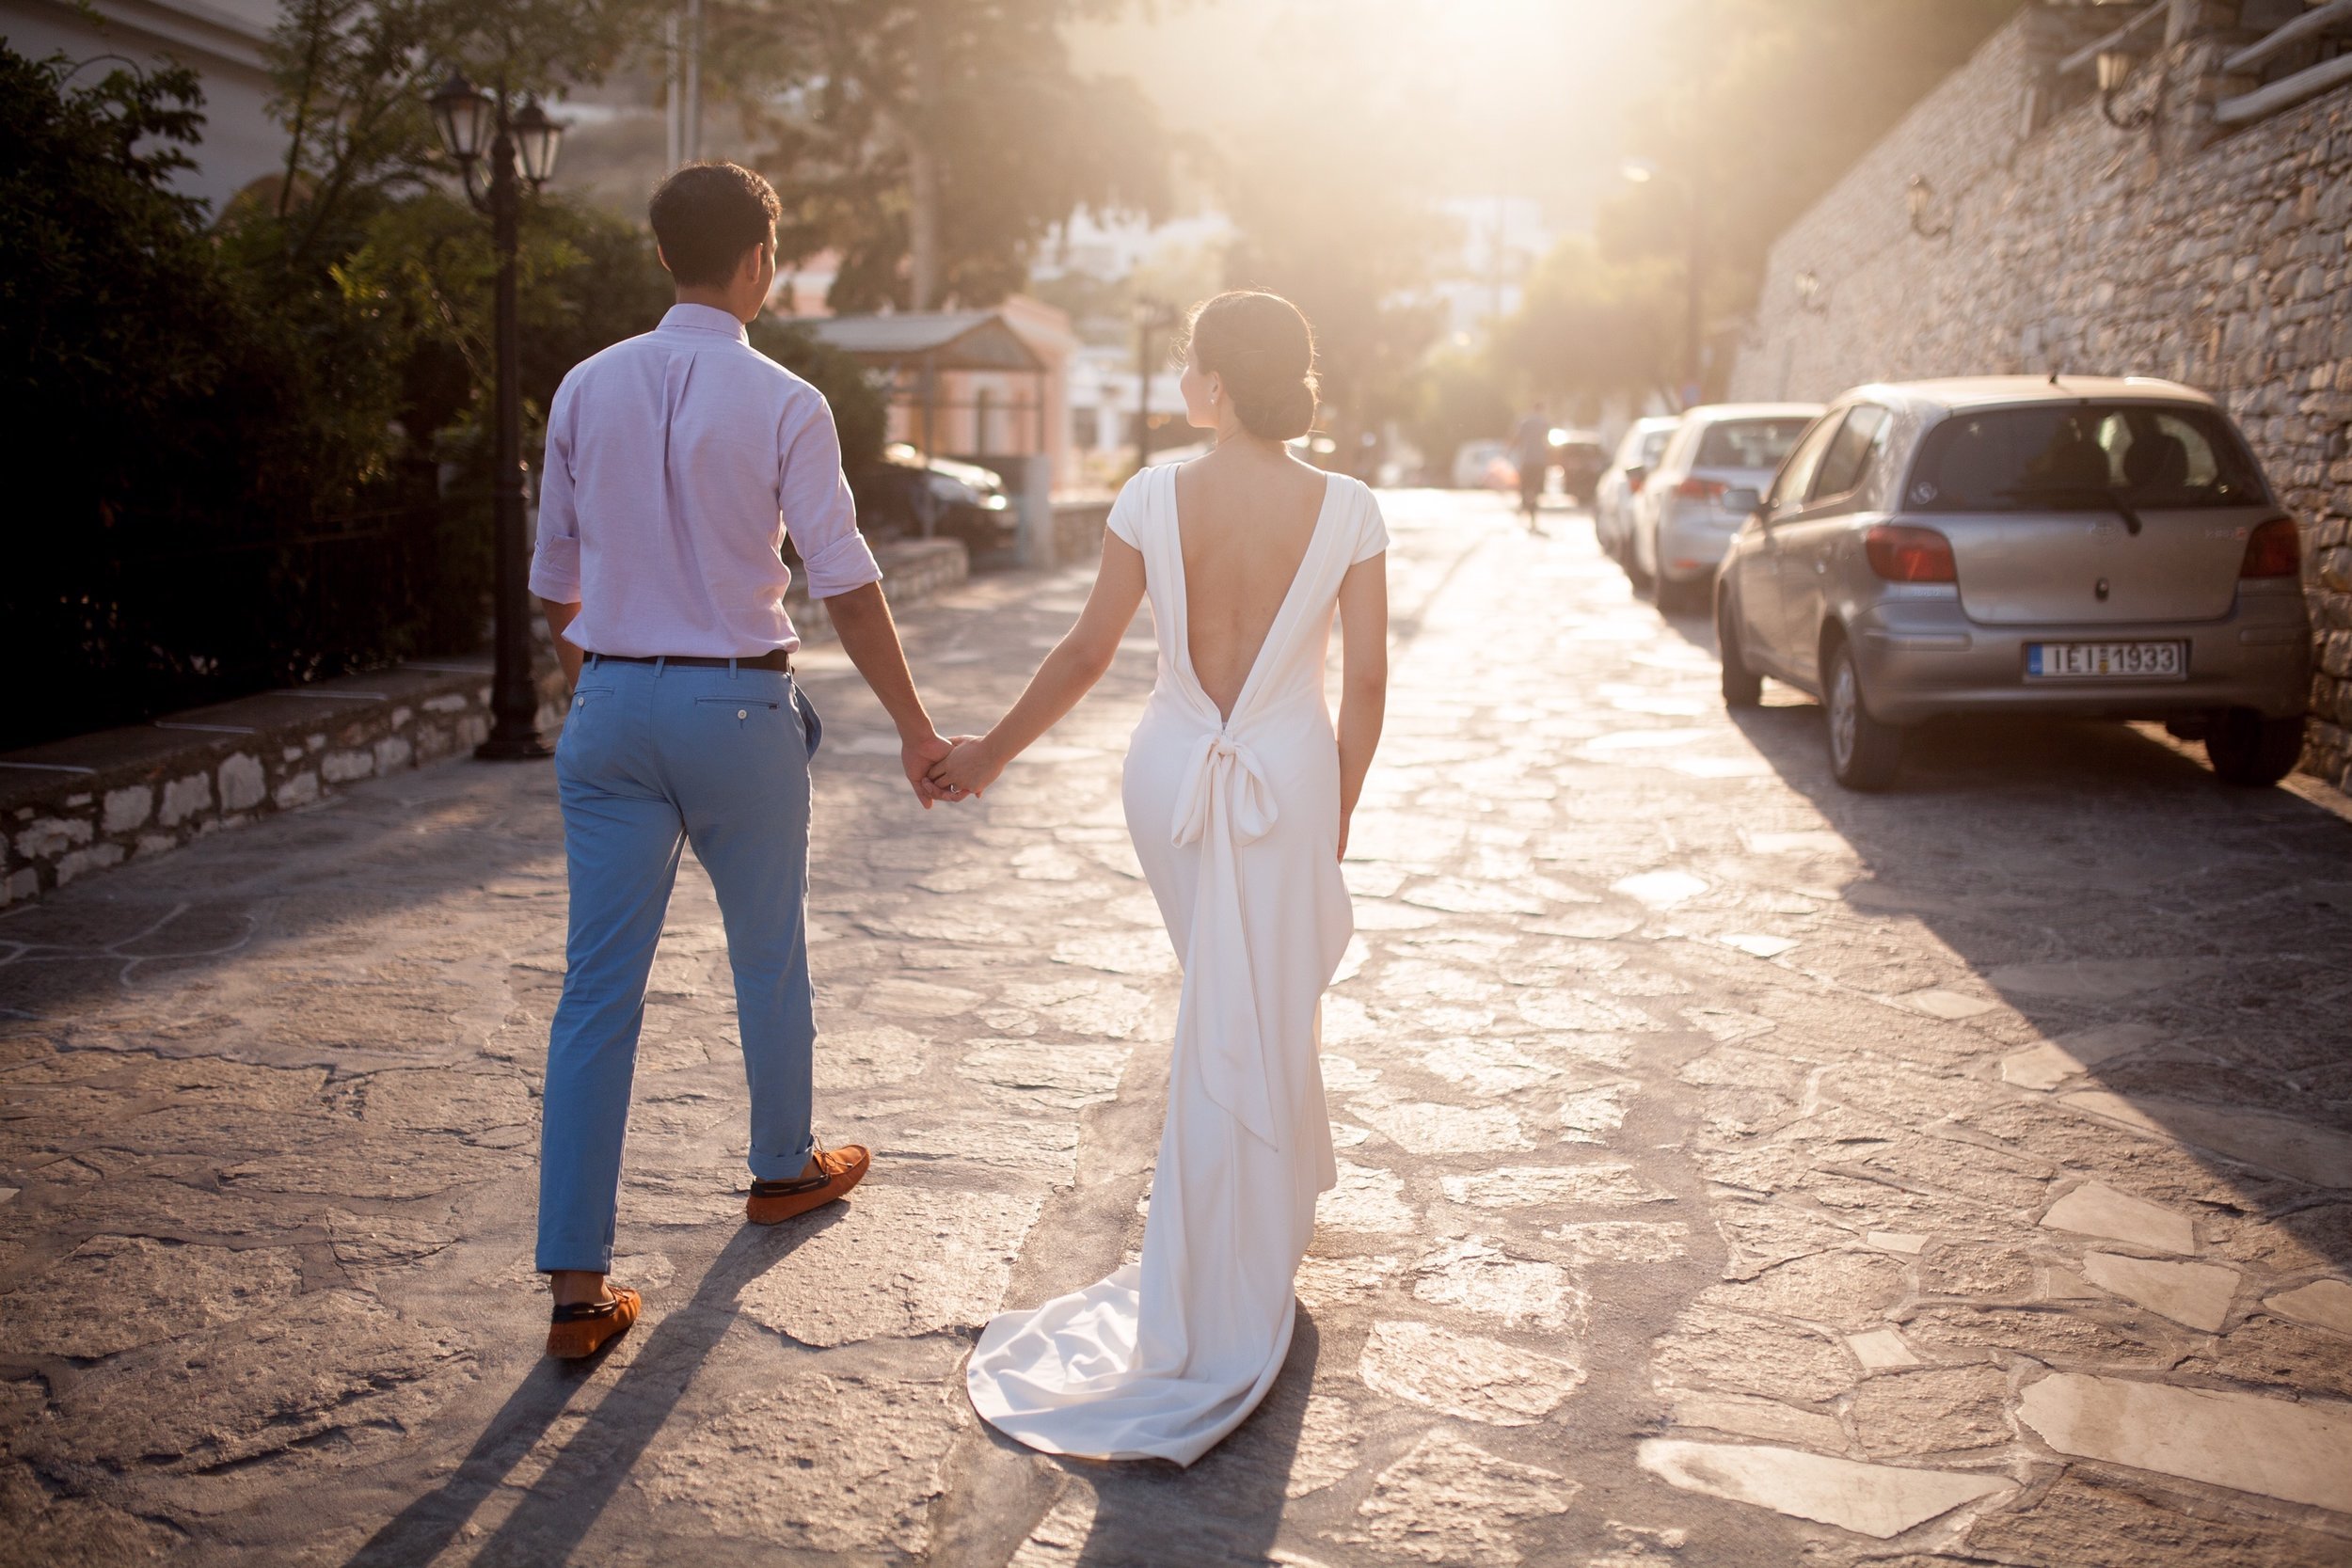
(819, 512)
(555, 556)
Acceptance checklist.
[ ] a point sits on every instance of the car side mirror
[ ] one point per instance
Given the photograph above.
(1744, 500)
(1634, 476)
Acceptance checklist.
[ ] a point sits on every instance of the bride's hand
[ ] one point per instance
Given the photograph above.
(968, 768)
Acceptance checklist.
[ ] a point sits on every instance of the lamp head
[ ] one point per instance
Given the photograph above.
(464, 116)
(537, 139)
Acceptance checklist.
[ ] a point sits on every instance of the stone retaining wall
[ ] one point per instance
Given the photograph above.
(73, 807)
(2174, 250)
(1078, 530)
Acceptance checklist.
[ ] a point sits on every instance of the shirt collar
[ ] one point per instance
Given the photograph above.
(704, 318)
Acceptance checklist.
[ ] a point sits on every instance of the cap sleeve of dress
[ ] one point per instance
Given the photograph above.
(1126, 518)
(1372, 529)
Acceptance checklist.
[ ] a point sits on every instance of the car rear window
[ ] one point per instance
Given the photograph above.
(2071, 457)
(1748, 443)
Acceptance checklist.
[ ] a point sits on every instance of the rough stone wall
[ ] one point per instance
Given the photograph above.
(2219, 260)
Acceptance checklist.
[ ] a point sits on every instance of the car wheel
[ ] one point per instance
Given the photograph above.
(1863, 753)
(1742, 686)
(2246, 748)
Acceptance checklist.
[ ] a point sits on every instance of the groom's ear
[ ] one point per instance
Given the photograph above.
(659, 256)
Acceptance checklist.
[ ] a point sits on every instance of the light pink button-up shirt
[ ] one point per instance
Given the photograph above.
(676, 460)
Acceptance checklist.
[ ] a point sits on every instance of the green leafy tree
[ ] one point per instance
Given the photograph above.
(1770, 103)
(932, 143)
(1589, 328)
(116, 320)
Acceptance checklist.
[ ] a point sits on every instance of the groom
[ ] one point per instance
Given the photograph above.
(676, 463)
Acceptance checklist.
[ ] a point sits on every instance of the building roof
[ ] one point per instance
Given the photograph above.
(947, 340)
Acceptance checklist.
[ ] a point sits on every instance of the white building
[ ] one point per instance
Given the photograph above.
(220, 39)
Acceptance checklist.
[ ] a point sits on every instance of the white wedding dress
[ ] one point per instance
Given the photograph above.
(1236, 822)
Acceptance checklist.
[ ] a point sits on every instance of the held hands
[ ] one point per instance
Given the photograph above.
(967, 769)
(918, 755)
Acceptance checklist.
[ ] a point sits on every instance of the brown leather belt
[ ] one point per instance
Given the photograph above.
(774, 658)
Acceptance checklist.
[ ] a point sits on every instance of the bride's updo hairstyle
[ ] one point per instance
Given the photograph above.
(1265, 351)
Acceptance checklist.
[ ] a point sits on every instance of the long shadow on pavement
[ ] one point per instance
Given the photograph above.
(2091, 875)
(566, 1500)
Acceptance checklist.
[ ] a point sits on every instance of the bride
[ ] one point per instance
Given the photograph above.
(1238, 796)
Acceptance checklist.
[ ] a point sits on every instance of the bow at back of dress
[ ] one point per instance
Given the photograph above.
(1226, 800)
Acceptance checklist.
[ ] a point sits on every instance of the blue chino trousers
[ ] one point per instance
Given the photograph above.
(653, 756)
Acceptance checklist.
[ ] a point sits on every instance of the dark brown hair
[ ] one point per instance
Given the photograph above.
(706, 215)
(1265, 351)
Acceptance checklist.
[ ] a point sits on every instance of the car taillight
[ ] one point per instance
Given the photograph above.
(2273, 550)
(1701, 489)
(1902, 554)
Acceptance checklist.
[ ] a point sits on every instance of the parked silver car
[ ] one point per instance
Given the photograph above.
(1612, 499)
(2096, 547)
(1683, 519)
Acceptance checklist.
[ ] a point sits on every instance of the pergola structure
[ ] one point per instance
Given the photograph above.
(922, 350)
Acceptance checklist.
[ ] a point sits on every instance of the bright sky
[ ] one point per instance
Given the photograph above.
(1514, 96)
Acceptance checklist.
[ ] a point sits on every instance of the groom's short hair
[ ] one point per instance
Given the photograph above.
(706, 215)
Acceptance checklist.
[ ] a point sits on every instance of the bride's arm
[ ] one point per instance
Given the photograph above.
(1363, 678)
(1078, 660)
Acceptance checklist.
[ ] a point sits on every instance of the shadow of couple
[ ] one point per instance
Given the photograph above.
(1225, 1508)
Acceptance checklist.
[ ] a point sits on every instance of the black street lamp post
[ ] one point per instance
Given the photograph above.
(521, 146)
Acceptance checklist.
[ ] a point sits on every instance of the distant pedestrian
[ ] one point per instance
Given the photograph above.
(1531, 451)
(676, 463)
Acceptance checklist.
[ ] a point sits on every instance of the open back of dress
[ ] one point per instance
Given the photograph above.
(1236, 821)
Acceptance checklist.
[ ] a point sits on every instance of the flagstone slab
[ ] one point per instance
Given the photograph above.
(327, 1379)
(1528, 1186)
(1422, 1127)
(1880, 1500)
(1758, 945)
(2093, 979)
(818, 1463)
(1951, 1005)
(1449, 1501)
(115, 1292)
(1367, 1199)
(895, 1262)
(1661, 890)
(2292, 1451)
(2095, 1209)
(1486, 1067)
(2312, 1154)
(2324, 1303)
(1932, 1410)
(2051, 1062)
(1479, 1277)
(2084, 1519)
(2198, 1294)
(1465, 1375)
(1880, 1348)
(1622, 1241)
(1747, 1415)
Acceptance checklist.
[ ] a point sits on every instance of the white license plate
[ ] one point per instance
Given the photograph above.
(2107, 661)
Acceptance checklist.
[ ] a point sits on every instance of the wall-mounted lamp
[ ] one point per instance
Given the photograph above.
(2114, 68)
(1809, 294)
(1917, 196)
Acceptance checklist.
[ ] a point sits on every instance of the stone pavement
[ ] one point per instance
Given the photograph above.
(1734, 1171)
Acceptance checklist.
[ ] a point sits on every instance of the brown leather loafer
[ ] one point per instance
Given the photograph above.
(585, 1327)
(837, 1171)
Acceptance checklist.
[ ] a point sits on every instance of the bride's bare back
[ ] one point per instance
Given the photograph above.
(1244, 519)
